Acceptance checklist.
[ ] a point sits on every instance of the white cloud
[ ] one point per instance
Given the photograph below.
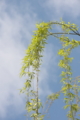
(14, 29)
(12, 46)
(58, 8)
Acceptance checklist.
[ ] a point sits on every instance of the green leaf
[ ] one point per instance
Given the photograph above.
(34, 115)
(27, 84)
(75, 107)
(66, 106)
(66, 100)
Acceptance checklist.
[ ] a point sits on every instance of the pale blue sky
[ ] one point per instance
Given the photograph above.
(17, 21)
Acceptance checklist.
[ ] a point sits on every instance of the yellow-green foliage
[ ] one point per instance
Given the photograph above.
(33, 53)
(33, 59)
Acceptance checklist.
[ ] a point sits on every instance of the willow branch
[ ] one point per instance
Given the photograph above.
(62, 33)
(50, 103)
(76, 32)
(37, 93)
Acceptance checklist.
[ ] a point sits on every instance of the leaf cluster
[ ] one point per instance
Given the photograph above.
(33, 60)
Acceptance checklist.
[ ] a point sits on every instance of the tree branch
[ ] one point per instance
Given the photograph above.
(62, 33)
(76, 33)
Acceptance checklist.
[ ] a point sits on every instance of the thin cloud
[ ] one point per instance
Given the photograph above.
(15, 35)
(12, 46)
(58, 8)
(48, 69)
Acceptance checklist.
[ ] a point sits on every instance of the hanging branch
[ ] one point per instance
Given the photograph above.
(37, 92)
(33, 59)
(66, 26)
(62, 33)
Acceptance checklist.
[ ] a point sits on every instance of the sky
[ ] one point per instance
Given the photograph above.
(17, 23)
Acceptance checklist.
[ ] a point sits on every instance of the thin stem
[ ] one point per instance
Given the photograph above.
(77, 33)
(50, 103)
(37, 93)
(62, 33)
